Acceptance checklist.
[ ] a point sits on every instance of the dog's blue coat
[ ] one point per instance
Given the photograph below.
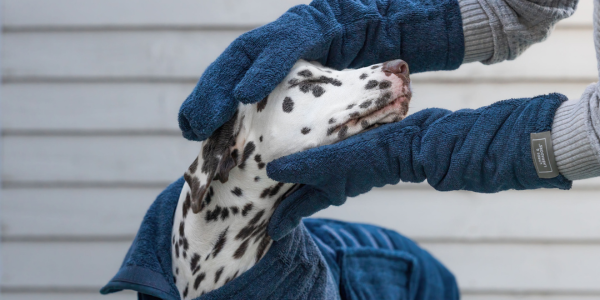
(320, 259)
(427, 34)
(484, 150)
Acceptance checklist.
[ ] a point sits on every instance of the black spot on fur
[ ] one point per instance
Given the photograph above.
(251, 227)
(193, 182)
(218, 274)
(364, 123)
(256, 217)
(363, 76)
(173, 240)
(332, 120)
(288, 105)
(343, 131)
(248, 150)
(262, 104)
(186, 205)
(231, 278)
(234, 210)
(385, 84)
(260, 138)
(186, 244)
(355, 115)
(257, 158)
(256, 179)
(312, 84)
(193, 166)
(262, 247)
(241, 250)
(176, 250)
(371, 84)
(213, 215)
(383, 100)
(207, 199)
(259, 230)
(216, 145)
(181, 228)
(330, 130)
(220, 243)
(199, 280)
(305, 73)
(184, 254)
(318, 91)
(237, 191)
(350, 106)
(265, 192)
(305, 130)
(185, 291)
(261, 165)
(374, 67)
(271, 191)
(275, 189)
(211, 191)
(247, 208)
(365, 104)
(194, 261)
(234, 154)
(224, 214)
(174, 279)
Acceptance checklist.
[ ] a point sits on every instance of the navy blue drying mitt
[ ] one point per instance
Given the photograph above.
(338, 33)
(485, 150)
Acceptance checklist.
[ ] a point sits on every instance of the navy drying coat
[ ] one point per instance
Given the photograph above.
(320, 259)
(324, 259)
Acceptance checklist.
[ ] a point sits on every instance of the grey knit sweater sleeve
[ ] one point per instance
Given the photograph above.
(497, 30)
(576, 127)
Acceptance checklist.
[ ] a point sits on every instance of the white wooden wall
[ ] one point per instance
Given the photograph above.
(90, 94)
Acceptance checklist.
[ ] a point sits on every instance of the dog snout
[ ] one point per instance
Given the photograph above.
(397, 67)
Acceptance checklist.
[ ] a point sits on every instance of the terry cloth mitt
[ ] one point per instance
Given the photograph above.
(485, 150)
(338, 33)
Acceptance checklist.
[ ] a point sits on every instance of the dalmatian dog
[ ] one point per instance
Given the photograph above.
(220, 225)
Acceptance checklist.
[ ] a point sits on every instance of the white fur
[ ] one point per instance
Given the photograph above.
(281, 135)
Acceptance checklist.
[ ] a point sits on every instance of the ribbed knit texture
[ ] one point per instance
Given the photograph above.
(479, 43)
(576, 127)
(575, 155)
(512, 26)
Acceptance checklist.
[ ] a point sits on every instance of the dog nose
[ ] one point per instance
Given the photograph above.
(397, 66)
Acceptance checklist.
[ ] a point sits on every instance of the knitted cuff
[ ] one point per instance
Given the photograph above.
(479, 42)
(575, 156)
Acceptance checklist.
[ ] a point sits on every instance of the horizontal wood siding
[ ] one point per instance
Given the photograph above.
(90, 95)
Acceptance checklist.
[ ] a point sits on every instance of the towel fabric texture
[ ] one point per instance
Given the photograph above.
(319, 259)
(427, 34)
(486, 150)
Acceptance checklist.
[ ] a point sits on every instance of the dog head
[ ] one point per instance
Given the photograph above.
(313, 106)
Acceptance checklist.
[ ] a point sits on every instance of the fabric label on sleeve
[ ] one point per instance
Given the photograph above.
(542, 153)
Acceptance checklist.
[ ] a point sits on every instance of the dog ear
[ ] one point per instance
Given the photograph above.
(217, 158)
